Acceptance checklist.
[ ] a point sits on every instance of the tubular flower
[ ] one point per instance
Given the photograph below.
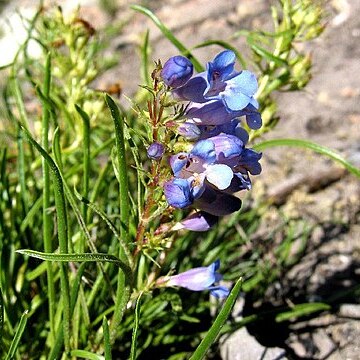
(199, 279)
(220, 93)
(199, 221)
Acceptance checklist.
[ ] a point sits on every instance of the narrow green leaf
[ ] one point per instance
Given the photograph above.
(31, 214)
(73, 297)
(84, 257)
(122, 291)
(38, 271)
(46, 216)
(86, 355)
(19, 331)
(170, 36)
(1, 314)
(219, 322)
(123, 170)
(145, 50)
(135, 328)
(312, 146)
(301, 310)
(109, 224)
(107, 345)
(86, 165)
(266, 54)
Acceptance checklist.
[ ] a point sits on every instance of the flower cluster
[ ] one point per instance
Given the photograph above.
(219, 164)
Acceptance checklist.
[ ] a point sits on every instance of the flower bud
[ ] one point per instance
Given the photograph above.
(189, 131)
(177, 71)
(155, 151)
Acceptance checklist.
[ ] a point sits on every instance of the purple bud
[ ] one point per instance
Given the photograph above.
(155, 151)
(189, 131)
(177, 71)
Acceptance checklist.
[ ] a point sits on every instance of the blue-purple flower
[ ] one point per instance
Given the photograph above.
(236, 89)
(221, 94)
(199, 279)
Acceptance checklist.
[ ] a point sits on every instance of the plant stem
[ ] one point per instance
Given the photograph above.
(46, 200)
(123, 290)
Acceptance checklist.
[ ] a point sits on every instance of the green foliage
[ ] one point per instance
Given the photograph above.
(78, 193)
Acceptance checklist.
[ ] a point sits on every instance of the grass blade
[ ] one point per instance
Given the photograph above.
(300, 310)
(312, 146)
(107, 345)
(83, 354)
(47, 218)
(123, 291)
(19, 331)
(170, 36)
(1, 313)
(84, 257)
(219, 322)
(135, 328)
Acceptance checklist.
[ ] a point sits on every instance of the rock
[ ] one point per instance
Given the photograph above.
(350, 310)
(242, 346)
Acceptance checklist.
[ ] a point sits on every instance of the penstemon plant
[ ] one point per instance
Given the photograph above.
(125, 207)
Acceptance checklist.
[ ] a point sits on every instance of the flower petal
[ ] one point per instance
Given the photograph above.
(246, 83)
(227, 146)
(254, 121)
(224, 62)
(219, 175)
(213, 112)
(219, 292)
(217, 203)
(205, 150)
(189, 131)
(178, 161)
(235, 101)
(199, 221)
(177, 193)
(239, 91)
(193, 90)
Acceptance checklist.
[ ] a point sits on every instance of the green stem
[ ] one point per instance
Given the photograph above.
(46, 199)
(86, 166)
(123, 290)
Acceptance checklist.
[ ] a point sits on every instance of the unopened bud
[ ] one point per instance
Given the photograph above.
(155, 151)
(189, 131)
(177, 71)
